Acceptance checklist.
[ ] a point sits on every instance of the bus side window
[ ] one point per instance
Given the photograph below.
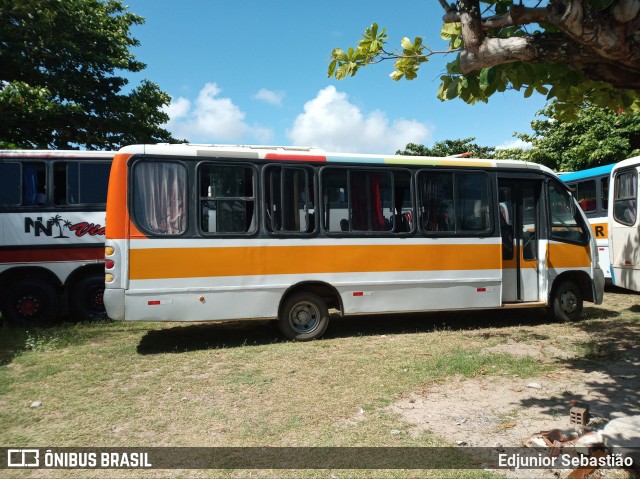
(566, 221)
(436, 201)
(403, 199)
(161, 193)
(80, 182)
(605, 193)
(473, 202)
(357, 200)
(625, 197)
(9, 178)
(34, 184)
(289, 199)
(585, 194)
(369, 191)
(227, 198)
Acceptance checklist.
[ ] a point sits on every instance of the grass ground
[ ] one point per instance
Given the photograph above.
(240, 384)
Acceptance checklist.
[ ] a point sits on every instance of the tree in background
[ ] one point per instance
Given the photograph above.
(572, 51)
(464, 146)
(58, 82)
(598, 136)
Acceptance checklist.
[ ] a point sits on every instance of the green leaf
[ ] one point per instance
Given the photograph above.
(452, 89)
(332, 68)
(339, 54)
(343, 71)
(450, 30)
(396, 75)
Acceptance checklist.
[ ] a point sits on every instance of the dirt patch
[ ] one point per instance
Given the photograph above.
(498, 412)
(540, 351)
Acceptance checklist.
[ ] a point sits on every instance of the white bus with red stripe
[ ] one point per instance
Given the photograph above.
(52, 223)
(211, 233)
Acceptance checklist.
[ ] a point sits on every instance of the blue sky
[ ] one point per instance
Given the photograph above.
(255, 72)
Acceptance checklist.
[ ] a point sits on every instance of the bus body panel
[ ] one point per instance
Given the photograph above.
(624, 229)
(185, 275)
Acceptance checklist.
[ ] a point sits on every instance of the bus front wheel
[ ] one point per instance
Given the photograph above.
(304, 317)
(30, 302)
(566, 303)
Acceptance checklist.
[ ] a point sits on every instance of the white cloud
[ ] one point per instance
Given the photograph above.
(332, 123)
(212, 119)
(514, 144)
(269, 96)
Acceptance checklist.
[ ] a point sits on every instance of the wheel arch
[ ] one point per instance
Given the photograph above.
(579, 278)
(328, 293)
(30, 272)
(84, 272)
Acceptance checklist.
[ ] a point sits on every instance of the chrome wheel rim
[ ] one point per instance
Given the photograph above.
(568, 301)
(304, 317)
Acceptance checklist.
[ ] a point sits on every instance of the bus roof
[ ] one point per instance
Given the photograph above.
(588, 173)
(315, 155)
(634, 161)
(56, 154)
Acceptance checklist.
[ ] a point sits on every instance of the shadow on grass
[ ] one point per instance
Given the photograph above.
(229, 334)
(12, 342)
(611, 360)
(15, 340)
(218, 335)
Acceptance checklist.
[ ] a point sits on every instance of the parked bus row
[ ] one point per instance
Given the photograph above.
(251, 228)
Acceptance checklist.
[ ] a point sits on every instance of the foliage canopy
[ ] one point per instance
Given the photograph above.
(598, 136)
(572, 51)
(59, 86)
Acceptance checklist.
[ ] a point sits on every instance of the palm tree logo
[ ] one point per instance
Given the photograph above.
(57, 221)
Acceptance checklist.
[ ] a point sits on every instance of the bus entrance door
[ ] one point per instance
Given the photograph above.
(519, 225)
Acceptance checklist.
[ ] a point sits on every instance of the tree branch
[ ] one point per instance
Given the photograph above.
(517, 15)
(471, 24)
(548, 48)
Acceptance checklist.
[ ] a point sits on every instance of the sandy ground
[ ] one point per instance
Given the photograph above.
(501, 412)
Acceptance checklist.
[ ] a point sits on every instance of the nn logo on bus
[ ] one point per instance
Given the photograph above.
(57, 224)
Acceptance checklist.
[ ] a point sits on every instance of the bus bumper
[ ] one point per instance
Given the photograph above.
(114, 303)
(598, 286)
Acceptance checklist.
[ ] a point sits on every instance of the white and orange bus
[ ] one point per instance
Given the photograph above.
(52, 210)
(206, 232)
(624, 226)
(590, 188)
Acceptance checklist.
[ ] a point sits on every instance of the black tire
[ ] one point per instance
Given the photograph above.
(86, 299)
(304, 316)
(30, 302)
(566, 302)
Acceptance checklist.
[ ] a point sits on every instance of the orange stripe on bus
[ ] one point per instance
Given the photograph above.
(118, 216)
(165, 263)
(119, 225)
(568, 256)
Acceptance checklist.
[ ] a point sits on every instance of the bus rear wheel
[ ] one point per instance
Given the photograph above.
(87, 299)
(566, 303)
(304, 317)
(30, 302)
